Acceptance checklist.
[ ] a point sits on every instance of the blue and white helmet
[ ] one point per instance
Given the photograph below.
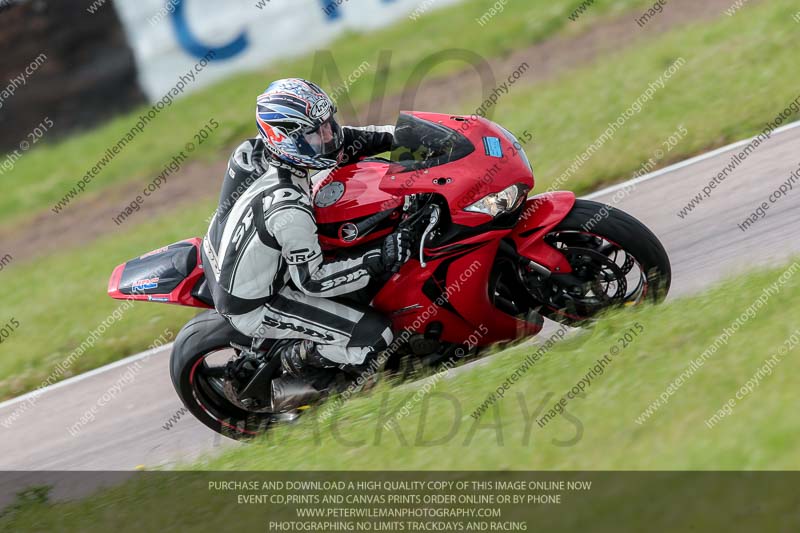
(295, 119)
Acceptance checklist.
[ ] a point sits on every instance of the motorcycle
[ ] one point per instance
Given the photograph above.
(491, 263)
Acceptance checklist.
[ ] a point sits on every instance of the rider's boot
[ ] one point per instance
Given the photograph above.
(306, 375)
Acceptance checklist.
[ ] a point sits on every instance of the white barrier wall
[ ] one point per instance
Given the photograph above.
(168, 37)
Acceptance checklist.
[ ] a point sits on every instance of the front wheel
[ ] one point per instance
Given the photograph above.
(616, 261)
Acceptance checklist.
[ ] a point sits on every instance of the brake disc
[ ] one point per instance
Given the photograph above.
(598, 273)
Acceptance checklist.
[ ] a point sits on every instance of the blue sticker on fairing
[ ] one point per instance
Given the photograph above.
(144, 285)
(492, 146)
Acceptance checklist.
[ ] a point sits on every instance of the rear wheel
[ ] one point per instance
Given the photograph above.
(200, 354)
(616, 261)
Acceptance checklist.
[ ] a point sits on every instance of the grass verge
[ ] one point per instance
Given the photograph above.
(64, 299)
(601, 431)
(598, 431)
(65, 295)
(737, 76)
(45, 175)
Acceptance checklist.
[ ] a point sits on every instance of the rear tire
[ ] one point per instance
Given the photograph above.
(612, 231)
(202, 336)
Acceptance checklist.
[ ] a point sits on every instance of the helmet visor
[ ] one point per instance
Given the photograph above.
(325, 140)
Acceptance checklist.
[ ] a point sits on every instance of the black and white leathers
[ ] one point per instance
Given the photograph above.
(264, 264)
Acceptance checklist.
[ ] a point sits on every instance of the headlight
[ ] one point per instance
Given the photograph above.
(501, 202)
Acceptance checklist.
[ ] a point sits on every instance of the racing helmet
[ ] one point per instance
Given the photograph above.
(296, 120)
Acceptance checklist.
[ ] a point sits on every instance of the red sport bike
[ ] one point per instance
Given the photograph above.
(491, 263)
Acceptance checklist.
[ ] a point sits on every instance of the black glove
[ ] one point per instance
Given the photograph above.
(396, 250)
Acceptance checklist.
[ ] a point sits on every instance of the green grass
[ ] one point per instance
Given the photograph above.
(59, 300)
(760, 434)
(739, 73)
(45, 175)
(674, 438)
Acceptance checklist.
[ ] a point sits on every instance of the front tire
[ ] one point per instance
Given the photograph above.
(616, 261)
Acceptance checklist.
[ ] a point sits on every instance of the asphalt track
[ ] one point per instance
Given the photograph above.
(705, 247)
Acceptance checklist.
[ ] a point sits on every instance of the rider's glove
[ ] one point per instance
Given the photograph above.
(395, 252)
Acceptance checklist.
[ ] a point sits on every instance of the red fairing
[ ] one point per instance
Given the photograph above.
(464, 181)
(361, 203)
(349, 194)
(360, 196)
(452, 289)
(542, 213)
(149, 270)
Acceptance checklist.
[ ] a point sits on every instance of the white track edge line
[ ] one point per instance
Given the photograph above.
(86, 375)
(607, 190)
(685, 163)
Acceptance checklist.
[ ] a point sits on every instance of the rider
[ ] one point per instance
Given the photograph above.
(261, 254)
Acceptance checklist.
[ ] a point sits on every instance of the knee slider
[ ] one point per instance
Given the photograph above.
(373, 331)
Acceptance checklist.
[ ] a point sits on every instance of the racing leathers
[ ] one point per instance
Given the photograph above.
(264, 264)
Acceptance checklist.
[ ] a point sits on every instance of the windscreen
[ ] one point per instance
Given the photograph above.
(421, 144)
